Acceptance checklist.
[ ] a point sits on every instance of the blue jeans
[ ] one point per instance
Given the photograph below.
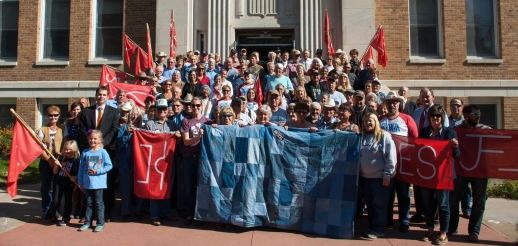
(478, 188)
(403, 201)
(466, 201)
(376, 198)
(433, 199)
(94, 197)
(46, 189)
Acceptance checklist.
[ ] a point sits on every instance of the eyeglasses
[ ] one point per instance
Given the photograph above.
(53, 115)
(162, 109)
(170, 62)
(196, 105)
(226, 90)
(227, 116)
(169, 84)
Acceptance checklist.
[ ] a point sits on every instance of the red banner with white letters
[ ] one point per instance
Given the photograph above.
(487, 153)
(153, 157)
(424, 162)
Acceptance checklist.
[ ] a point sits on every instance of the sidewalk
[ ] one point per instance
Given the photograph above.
(20, 224)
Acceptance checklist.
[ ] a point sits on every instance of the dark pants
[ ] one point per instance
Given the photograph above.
(433, 199)
(46, 189)
(64, 190)
(403, 201)
(418, 200)
(376, 198)
(479, 192)
(126, 189)
(94, 198)
(466, 201)
(187, 182)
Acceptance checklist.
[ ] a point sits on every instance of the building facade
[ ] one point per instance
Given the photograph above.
(52, 50)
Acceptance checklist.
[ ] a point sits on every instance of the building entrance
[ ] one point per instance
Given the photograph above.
(265, 40)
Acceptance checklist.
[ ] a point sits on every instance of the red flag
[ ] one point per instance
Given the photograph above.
(109, 75)
(173, 43)
(378, 43)
(149, 62)
(130, 47)
(367, 55)
(327, 35)
(153, 155)
(137, 93)
(424, 162)
(141, 59)
(258, 90)
(24, 150)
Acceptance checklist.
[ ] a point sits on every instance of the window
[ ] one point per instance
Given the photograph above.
(481, 28)
(8, 30)
(56, 29)
(107, 23)
(6, 118)
(425, 28)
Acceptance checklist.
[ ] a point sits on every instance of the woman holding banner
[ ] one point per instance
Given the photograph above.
(435, 198)
(377, 167)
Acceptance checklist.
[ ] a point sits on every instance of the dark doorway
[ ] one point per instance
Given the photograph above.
(265, 40)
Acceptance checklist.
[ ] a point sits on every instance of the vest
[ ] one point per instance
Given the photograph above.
(56, 149)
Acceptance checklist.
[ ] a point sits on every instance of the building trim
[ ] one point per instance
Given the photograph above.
(48, 89)
(460, 88)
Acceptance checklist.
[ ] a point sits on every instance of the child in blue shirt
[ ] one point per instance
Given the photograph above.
(95, 163)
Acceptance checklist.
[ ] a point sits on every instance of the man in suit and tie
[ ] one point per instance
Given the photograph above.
(408, 106)
(106, 119)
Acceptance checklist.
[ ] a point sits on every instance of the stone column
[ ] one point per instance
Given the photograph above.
(310, 24)
(240, 8)
(217, 40)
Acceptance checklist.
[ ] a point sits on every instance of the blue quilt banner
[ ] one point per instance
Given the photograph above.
(267, 176)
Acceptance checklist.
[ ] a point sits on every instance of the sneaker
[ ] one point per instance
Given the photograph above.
(374, 235)
(404, 228)
(440, 240)
(99, 228)
(61, 223)
(84, 227)
(473, 237)
(155, 222)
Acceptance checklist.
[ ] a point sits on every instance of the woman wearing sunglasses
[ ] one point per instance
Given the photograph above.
(52, 136)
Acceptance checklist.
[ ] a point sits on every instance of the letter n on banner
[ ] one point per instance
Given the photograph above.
(153, 156)
(424, 162)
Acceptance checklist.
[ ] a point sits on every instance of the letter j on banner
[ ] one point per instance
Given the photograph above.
(153, 156)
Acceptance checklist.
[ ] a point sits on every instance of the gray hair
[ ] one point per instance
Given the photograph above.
(315, 105)
(265, 109)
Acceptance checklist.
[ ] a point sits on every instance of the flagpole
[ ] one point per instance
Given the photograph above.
(119, 70)
(364, 52)
(38, 140)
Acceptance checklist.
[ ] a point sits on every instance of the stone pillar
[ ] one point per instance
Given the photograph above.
(218, 16)
(310, 24)
(358, 24)
(240, 8)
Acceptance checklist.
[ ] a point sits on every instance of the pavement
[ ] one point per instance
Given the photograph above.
(21, 224)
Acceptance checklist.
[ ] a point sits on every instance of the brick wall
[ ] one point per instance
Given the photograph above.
(136, 14)
(393, 15)
(27, 108)
(510, 114)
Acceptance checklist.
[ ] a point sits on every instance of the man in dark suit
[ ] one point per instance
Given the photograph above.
(106, 119)
(408, 106)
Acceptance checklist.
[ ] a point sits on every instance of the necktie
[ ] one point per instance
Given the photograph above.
(99, 117)
(422, 119)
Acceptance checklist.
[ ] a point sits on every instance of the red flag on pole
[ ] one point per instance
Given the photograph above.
(327, 35)
(153, 155)
(173, 43)
(24, 150)
(367, 55)
(378, 43)
(141, 59)
(150, 62)
(130, 47)
(109, 75)
(137, 93)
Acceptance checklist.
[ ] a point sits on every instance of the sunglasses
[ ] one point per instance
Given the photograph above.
(227, 116)
(169, 84)
(53, 115)
(196, 105)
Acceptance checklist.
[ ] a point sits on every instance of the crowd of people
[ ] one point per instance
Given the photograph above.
(288, 89)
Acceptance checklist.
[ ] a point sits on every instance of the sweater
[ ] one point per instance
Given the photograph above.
(98, 160)
(377, 160)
